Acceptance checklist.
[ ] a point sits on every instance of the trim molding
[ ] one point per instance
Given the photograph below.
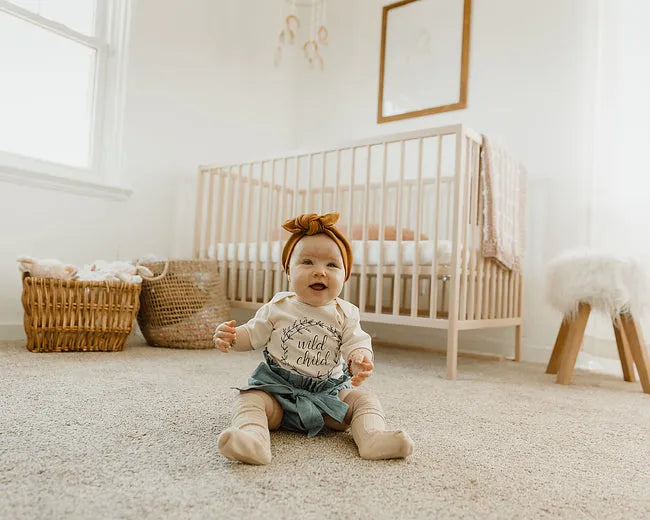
(11, 332)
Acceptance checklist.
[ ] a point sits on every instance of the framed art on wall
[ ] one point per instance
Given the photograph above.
(424, 58)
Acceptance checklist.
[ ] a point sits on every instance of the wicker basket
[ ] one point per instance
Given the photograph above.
(63, 315)
(181, 306)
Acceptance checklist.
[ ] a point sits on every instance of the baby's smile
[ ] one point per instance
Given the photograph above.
(318, 286)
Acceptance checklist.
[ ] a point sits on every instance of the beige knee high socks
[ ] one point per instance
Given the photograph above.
(248, 439)
(370, 434)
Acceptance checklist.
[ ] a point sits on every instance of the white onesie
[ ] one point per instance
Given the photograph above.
(312, 341)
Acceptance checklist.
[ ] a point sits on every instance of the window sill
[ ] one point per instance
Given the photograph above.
(71, 184)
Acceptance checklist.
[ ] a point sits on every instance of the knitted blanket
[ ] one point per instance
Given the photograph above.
(504, 194)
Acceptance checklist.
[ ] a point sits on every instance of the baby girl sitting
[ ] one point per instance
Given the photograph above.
(315, 352)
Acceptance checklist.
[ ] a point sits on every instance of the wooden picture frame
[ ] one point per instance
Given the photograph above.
(383, 115)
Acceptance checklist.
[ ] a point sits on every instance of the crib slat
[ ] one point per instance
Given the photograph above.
(415, 280)
(350, 219)
(489, 301)
(247, 226)
(480, 273)
(270, 220)
(487, 266)
(506, 292)
(282, 217)
(480, 268)
(218, 237)
(508, 308)
(517, 313)
(465, 222)
(322, 190)
(309, 203)
(258, 233)
(234, 223)
(225, 215)
(208, 223)
(379, 300)
(500, 293)
(473, 242)
(335, 202)
(433, 296)
(397, 279)
(480, 261)
(494, 290)
(294, 202)
(198, 218)
(366, 192)
(504, 304)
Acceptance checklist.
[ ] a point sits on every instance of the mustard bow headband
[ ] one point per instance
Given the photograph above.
(309, 224)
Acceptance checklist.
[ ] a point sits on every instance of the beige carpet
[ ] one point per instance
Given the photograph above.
(133, 435)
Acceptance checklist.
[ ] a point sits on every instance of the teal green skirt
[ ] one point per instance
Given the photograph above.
(304, 399)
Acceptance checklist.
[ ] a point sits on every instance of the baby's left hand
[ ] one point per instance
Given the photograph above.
(360, 368)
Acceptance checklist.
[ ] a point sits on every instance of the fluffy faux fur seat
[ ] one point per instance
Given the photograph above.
(611, 284)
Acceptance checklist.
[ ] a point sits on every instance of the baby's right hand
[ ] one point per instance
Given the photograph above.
(224, 336)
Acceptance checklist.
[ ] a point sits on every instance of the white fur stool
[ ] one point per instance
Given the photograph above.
(580, 281)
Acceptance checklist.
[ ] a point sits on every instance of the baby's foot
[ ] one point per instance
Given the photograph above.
(249, 446)
(382, 444)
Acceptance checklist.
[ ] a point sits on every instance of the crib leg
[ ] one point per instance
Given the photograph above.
(452, 351)
(518, 336)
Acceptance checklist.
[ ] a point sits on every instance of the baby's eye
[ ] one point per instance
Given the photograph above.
(308, 262)
(332, 264)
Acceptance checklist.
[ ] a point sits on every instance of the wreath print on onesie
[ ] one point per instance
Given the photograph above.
(312, 346)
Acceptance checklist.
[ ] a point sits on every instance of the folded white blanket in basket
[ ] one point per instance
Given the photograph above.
(117, 271)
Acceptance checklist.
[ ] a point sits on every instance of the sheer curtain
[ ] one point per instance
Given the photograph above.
(619, 219)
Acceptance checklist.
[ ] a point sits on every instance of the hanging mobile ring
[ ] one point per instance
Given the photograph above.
(323, 35)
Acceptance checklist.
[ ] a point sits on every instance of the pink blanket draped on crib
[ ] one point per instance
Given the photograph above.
(504, 195)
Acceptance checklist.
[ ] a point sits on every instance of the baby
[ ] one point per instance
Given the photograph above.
(315, 353)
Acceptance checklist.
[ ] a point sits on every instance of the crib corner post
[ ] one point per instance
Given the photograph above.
(518, 337)
(452, 349)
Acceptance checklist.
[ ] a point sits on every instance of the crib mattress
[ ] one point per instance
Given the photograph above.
(390, 249)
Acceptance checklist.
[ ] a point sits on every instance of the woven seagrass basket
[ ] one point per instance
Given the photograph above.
(181, 306)
(70, 315)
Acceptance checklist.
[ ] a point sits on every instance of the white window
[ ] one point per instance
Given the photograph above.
(62, 66)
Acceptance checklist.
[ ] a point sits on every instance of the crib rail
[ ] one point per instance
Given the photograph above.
(404, 191)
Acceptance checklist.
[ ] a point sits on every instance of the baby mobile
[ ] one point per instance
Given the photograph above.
(317, 36)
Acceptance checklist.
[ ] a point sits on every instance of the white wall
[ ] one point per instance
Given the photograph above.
(532, 85)
(546, 79)
(201, 88)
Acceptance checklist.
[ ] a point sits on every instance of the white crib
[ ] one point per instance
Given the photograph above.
(411, 205)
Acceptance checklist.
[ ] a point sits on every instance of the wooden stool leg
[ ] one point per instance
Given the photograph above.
(624, 350)
(638, 349)
(573, 344)
(558, 348)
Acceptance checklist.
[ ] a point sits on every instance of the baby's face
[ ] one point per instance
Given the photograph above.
(316, 270)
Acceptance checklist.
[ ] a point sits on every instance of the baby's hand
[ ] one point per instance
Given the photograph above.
(360, 368)
(224, 336)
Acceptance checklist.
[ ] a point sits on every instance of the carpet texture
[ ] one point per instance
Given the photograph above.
(134, 435)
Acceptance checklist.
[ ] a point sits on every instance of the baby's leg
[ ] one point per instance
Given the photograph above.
(335, 425)
(369, 428)
(248, 439)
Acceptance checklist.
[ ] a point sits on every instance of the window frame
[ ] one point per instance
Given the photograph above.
(103, 175)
